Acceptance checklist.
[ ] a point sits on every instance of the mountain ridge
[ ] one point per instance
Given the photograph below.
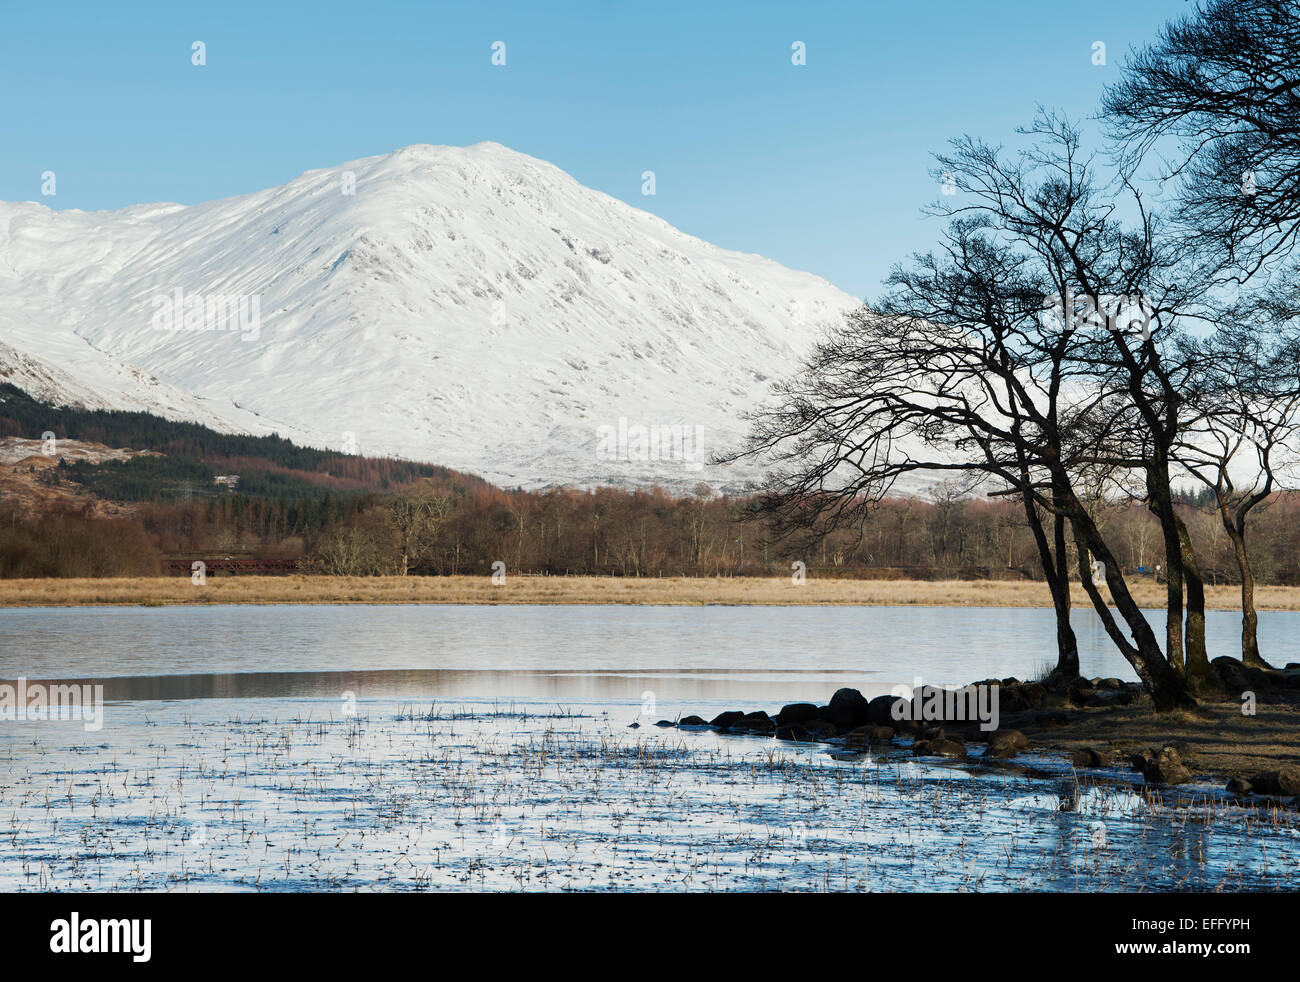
(470, 306)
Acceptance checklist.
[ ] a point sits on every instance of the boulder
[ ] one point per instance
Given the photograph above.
(724, 721)
(880, 710)
(794, 713)
(948, 747)
(1012, 699)
(1013, 739)
(1056, 683)
(858, 739)
(792, 731)
(1282, 782)
(758, 722)
(869, 735)
(942, 747)
(1033, 694)
(1239, 786)
(1232, 673)
(1090, 757)
(819, 729)
(1166, 768)
(840, 718)
(1109, 697)
(1079, 692)
(850, 704)
(1138, 761)
(692, 721)
(1257, 678)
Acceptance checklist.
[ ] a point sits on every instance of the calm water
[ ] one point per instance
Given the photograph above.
(759, 654)
(488, 748)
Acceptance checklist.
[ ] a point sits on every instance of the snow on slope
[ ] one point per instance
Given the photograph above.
(473, 307)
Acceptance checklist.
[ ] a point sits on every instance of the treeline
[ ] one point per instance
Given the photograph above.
(23, 416)
(67, 544)
(168, 478)
(442, 527)
(613, 532)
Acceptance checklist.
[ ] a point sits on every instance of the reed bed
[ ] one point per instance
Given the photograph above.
(484, 797)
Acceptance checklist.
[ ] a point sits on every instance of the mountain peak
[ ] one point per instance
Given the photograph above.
(469, 306)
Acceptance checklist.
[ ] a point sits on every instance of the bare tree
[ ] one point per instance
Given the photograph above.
(1224, 84)
(928, 367)
(1129, 291)
(414, 518)
(1243, 440)
(958, 370)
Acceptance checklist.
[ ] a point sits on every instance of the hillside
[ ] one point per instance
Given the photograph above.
(470, 306)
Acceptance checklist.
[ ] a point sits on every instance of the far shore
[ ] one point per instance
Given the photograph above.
(527, 589)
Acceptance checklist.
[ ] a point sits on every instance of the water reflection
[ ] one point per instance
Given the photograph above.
(857, 645)
(676, 690)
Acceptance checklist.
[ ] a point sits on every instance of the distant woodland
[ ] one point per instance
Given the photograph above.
(339, 514)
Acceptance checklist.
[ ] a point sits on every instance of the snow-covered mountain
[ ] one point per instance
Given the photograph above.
(473, 307)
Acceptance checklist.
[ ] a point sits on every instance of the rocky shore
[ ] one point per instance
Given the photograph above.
(1250, 734)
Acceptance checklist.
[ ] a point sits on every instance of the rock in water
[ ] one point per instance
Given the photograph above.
(1090, 757)
(1166, 768)
(1283, 782)
(819, 729)
(880, 710)
(1239, 786)
(1012, 740)
(851, 706)
(795, 714)
(942, 747)
(1139, 760)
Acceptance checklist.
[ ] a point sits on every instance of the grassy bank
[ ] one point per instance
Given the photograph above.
(685, 591)
(1216, 738)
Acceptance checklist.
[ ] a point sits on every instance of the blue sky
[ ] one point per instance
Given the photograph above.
(823, 167)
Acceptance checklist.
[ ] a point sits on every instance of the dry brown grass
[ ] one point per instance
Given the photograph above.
(683, 591)
(1219, 739)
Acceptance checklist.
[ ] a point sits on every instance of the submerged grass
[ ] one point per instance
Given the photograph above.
(492, 799)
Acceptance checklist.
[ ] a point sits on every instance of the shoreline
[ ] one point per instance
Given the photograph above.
(1088, 730)
(585, 590)
(1217, 740)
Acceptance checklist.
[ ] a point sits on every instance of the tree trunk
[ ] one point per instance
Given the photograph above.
(1167, 687)
(1055, 570)
(1160, 501)
(1249, 617)
(1200, 675)
(1067, 645)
